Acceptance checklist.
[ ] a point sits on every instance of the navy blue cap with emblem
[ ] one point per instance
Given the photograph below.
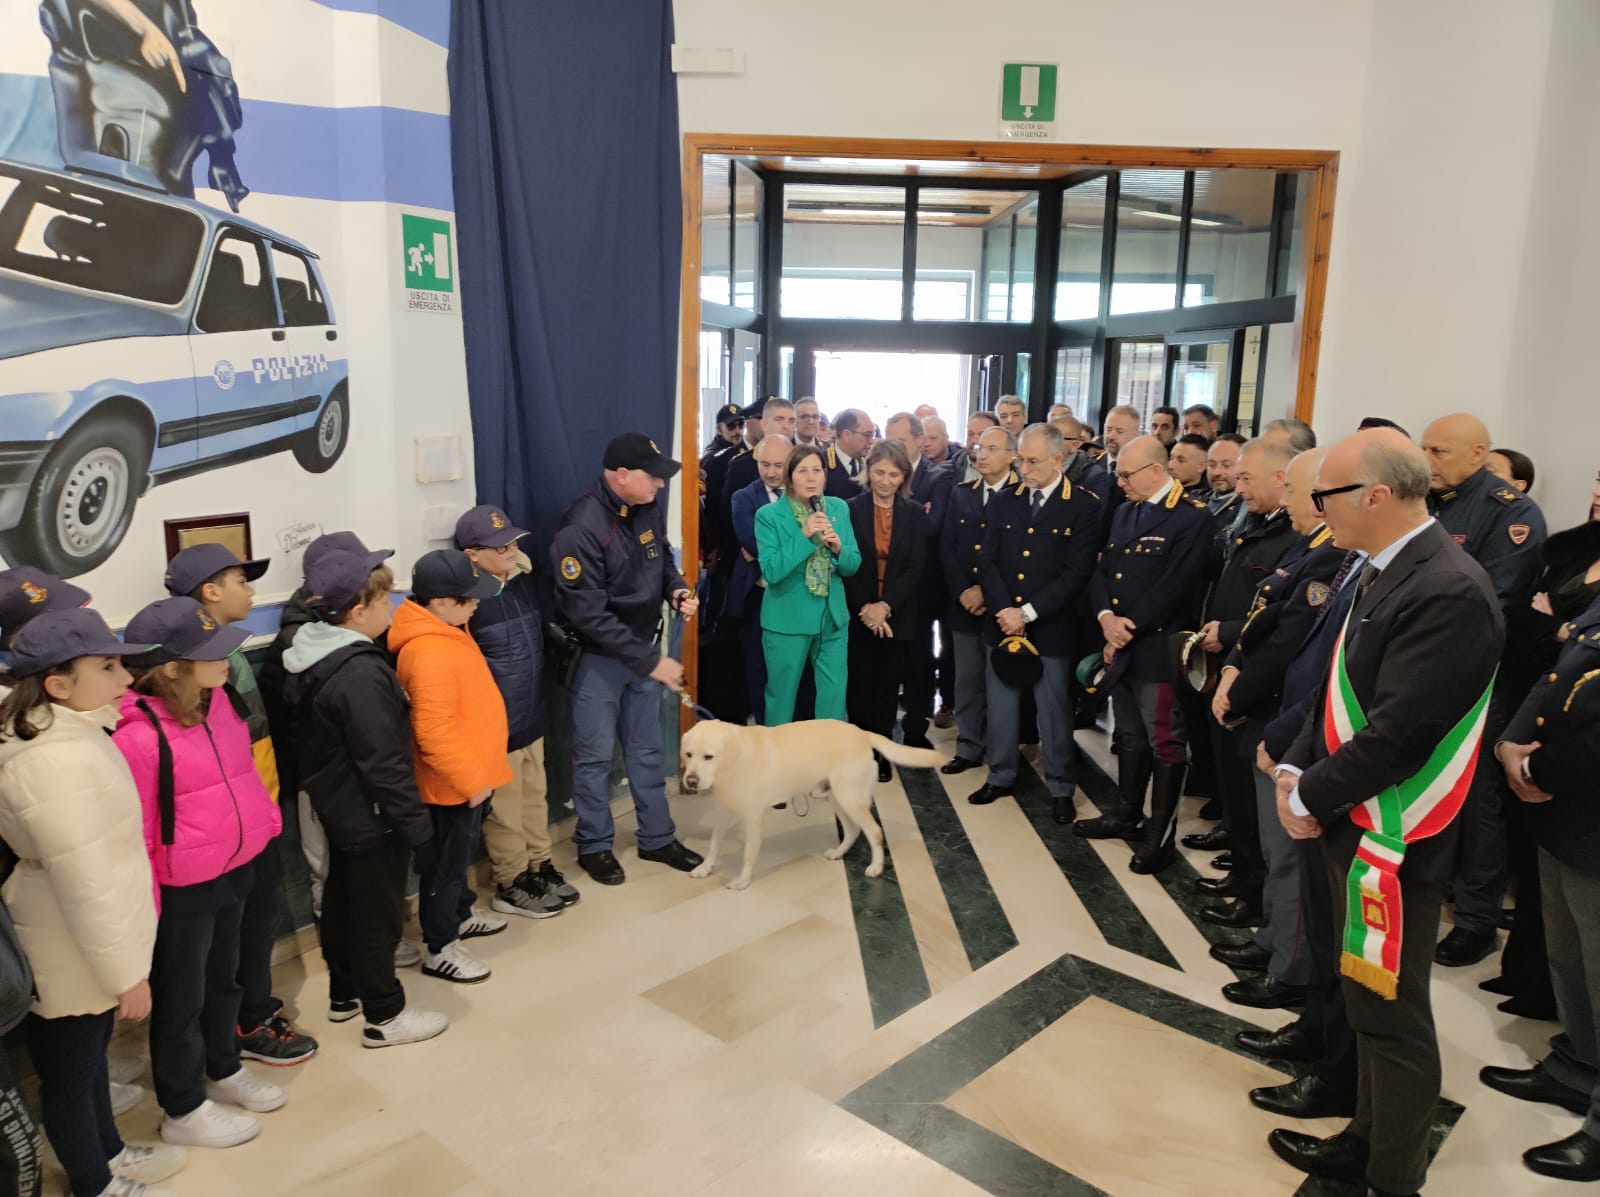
(334, 581)
(61, 636)
(342, 542)
(486, 527)
(199, 563)
(181, 629)
(753, 412)
(450, 573)
(27, 593)
(730, 413)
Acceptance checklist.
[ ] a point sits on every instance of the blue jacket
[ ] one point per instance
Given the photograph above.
(509, 629)
(745, 573)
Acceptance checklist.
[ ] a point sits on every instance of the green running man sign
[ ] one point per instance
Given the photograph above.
(429, 258)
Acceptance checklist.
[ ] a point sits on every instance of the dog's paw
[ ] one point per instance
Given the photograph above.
(832, 854)
(739, 882)
(875, 870)
(704, 869)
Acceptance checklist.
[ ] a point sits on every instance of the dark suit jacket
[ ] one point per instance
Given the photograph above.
(840, 485)
(902, 577)
(745, 505)
(1422, 645)
(1045, 561)
(960, 548)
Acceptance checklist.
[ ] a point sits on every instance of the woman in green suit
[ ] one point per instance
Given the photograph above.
(804, 617)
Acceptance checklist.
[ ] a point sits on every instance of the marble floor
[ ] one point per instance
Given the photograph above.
(1007, 1011)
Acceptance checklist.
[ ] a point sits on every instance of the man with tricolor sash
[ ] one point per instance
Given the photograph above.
(1379, 773)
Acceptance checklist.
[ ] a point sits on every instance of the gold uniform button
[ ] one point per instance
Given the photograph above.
(1019, 598)
(977, 546)
(1239, 540)
(1539, 722)
(1021, 576)
(1116, 602)
(1027, 553)
(1119, 577)
(1552, 677)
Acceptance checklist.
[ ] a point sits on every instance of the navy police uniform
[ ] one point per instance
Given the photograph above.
(842, 482)
(960, 555)
(614, 569)
(1154, 560)
(930, 489)
(1502, 530)
(1038, 553)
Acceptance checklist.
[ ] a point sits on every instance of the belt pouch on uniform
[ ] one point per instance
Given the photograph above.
(563, 650)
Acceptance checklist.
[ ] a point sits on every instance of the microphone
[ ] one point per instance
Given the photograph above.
(816, 503)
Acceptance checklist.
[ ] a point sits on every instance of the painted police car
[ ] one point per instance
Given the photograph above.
(145, 338)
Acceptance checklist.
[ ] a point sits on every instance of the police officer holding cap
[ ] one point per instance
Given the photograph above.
(614, 569)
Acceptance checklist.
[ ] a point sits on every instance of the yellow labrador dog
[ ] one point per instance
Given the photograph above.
(749, 769)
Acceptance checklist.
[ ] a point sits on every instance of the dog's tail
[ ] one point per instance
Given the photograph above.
(914, 758)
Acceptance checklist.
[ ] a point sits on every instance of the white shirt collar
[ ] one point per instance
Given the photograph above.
(1383, 559)
(1160, 496)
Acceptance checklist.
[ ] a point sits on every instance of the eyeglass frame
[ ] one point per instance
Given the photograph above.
(1319, 497)
(1127, 475)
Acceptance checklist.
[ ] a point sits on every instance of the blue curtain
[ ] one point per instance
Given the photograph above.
(564, 144)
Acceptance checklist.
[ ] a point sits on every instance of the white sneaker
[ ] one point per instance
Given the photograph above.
(454, 963)
(147, 1165)
(407, 955)
(122, 1187)
(248, 1093)
(124, 1098)
(125, 1070)
(409, 1026)
(481, 922)
(209, 1125)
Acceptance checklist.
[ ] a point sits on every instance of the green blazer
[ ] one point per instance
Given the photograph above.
(783, 552)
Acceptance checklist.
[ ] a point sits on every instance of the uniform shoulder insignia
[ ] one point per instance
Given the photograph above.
(1174, 498)
(1021, 490)
(1519, 533)
(1579, 685)
(1066, 487)
(1506, 495)
(1199, 505)
(570, 569)
(972, 485)
(833, 457)
(1322, 538)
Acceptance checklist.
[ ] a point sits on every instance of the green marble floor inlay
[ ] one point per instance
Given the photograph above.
(890, 958)
(906, 1099)
(986, 933)
(1113, 911)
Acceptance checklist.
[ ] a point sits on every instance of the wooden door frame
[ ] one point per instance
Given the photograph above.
(1307, 326)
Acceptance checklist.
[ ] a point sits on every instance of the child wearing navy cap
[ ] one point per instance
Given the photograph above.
(80, 895)
(353, 738)
(207, 817)
(27, 593)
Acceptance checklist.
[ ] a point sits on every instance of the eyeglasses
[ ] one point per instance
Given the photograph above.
(1124, 475)
(1319, 497)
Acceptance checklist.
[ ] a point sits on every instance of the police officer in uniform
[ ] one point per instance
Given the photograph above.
(614, 569)
(1142, 590)
(1038, 551)
(846, 458)
(1502, 529)
(961, 555)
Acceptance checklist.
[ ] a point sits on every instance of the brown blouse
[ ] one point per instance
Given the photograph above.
(882, 527)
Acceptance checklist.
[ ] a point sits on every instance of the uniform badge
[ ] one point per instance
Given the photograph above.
(1518, 533)
(1317, 594)
(1460, 538)
(495, 521)
(570, 569)
(36, 593)
(653, 447)
(647, 536)
(206, 621)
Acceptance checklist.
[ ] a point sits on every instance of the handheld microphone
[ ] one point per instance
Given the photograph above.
(816, 503)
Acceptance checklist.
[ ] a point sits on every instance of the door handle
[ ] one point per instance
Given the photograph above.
(332, 334)
(278, 334)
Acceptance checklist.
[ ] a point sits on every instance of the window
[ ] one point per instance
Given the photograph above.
(973, 247)
(1230, 236)
(1141, 376)
(298, 294)
(715, 220)
(237, 296)
(746, 235)
(1083, 226)
(1149, 213)
(1072, 379)
(843, 251)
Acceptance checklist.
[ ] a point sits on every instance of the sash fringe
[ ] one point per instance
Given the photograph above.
(1373, 976)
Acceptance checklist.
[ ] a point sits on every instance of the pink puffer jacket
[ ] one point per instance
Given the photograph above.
(223, 815)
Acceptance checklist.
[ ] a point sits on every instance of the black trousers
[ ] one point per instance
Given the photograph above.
(69, 1055)
(1525, 963)
(445, 900)
(258, 932)
(363, 917)
(19, 1138)
(1324, 1017)
(1236, 788)
(1397, 1048)
(194, 1008)
(918, 678)
(872, 686)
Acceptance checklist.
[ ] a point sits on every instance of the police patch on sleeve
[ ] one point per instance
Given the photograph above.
(570, 569)
(1518, 533)
(1317, 594)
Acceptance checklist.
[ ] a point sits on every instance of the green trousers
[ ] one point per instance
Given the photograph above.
(786, 661)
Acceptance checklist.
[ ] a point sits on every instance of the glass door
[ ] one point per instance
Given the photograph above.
(1206, 368)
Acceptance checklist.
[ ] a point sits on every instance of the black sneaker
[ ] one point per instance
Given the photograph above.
(343, 1010)
(602, 866)
(555, 883)
(674, 855)
(276, 1042)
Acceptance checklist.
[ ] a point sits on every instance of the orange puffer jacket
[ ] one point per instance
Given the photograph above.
(458, 719)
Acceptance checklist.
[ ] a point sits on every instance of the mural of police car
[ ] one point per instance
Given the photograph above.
(145, 338)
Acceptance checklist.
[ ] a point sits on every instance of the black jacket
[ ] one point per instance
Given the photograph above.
(353, 734)
(1045, 562)
(1253, 555)
(960, 547)
(510, 631)
(902, 579)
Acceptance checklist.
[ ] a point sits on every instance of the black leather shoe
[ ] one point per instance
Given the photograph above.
(919, 740)
(986, 793)
(1306, 1097)
(958, 764)
(1496, 985)
(1264, 992)
(1210, 810)
(1524, 1008)
(1534, 1084)
(1108, 827)
(1242, 913)
(1207, 841)
(674, 855)
(1248, 954)
(1577, 1157)
(1461, 947)
(1063, 808)
(1222, 862)
(1341, 1157)
(1292, 1042)
(1231, 886)
(603, 867)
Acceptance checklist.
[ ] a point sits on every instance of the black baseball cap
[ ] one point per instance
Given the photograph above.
(181, 629)
(449, 573)
(486, 527)
(730, 414)
(636, 451)
(60, 636)
(27, 593)
(342, 542)
(753, 412)
(199, 563)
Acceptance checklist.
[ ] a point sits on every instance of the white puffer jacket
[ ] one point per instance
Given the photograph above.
(81, 897)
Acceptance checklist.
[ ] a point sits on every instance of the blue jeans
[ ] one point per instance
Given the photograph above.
(1052, 694)
(610, 701)
(445, 899)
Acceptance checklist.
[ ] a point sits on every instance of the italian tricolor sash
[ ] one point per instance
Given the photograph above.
(1400, 815)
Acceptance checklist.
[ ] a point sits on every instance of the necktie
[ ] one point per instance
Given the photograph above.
(772, 496)
(1038, 502)
(987, 491)
(855, 466)
(1365, 581)
(1138, 513)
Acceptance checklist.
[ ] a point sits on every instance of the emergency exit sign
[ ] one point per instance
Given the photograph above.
(1028, 101)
